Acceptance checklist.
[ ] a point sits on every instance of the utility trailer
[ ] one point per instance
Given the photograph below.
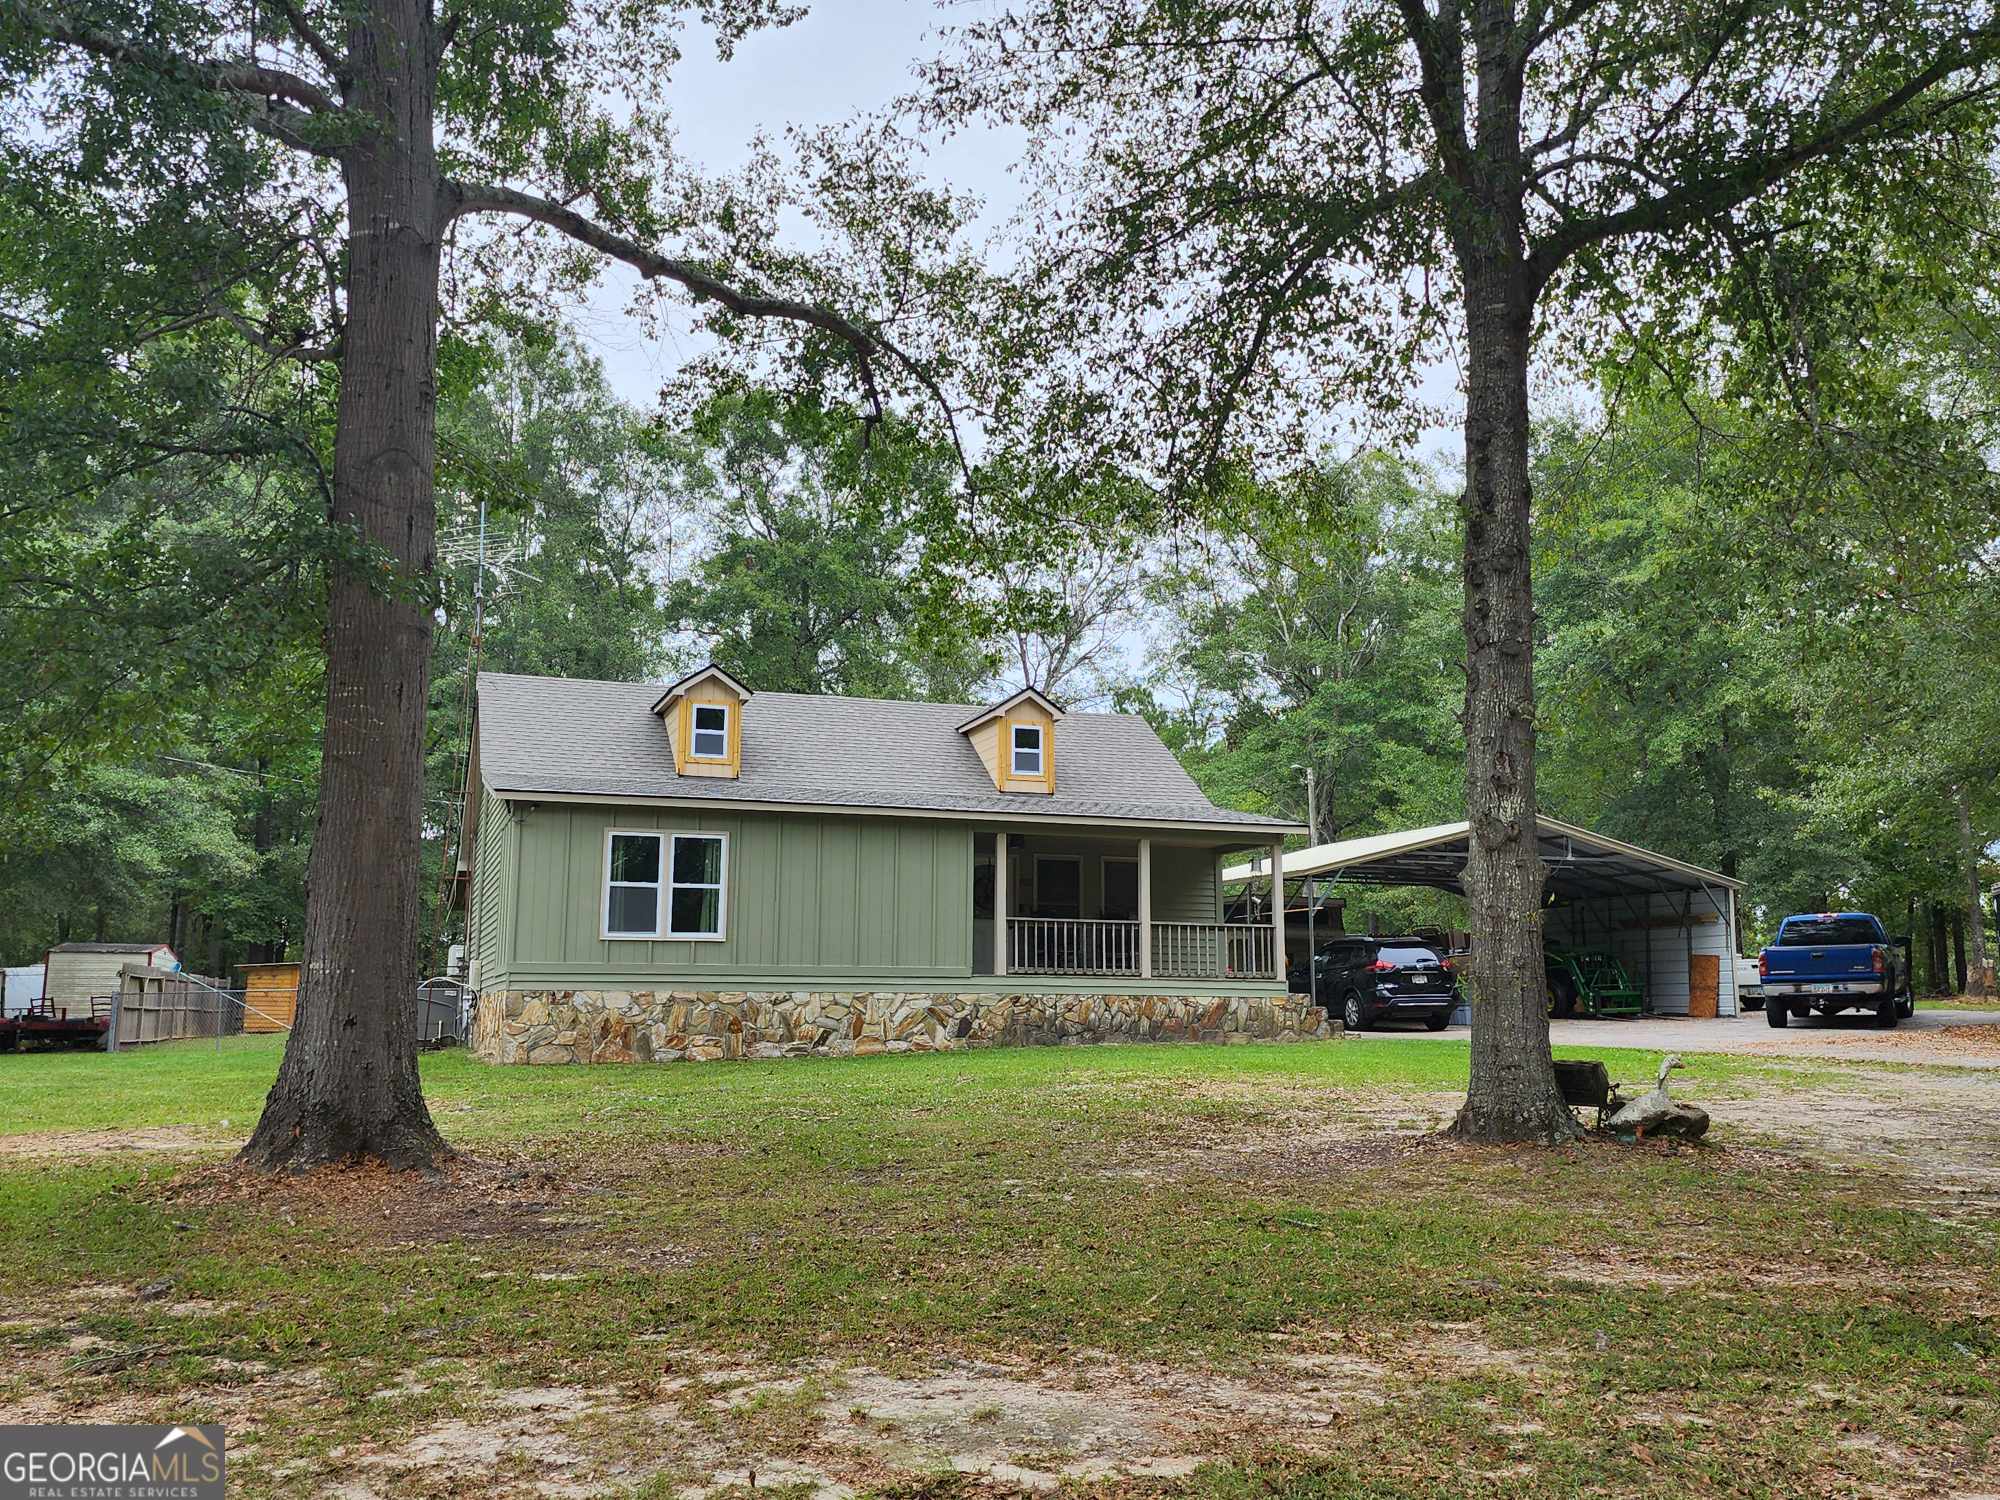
(46, 1024)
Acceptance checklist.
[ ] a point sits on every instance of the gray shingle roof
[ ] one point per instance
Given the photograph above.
(559, 736)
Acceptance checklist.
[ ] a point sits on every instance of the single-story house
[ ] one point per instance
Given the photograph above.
(75, 974)
(701, 870)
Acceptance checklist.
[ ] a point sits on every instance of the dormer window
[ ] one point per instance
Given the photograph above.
(703, 714)
(1015, 740)
(711, 732)
(1027, 749)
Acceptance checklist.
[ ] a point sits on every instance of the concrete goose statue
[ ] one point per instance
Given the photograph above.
(1655, 1113)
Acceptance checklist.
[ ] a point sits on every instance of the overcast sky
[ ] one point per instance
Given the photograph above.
(846, 58)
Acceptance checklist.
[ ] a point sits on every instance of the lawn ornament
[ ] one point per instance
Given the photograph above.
(1655, 1114)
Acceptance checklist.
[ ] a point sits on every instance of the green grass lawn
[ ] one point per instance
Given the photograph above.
(1577, 1321)
(201, 1085)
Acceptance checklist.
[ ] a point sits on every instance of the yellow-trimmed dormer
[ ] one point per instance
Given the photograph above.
(703, 713)
(1016, 741)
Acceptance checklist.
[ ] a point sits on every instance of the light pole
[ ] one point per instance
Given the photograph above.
(1310, 886)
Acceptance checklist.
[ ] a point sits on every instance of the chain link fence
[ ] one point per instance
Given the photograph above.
(158, 1005)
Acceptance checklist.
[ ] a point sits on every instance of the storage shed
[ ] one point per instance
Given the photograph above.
(1672, 924)
(270, 996)
(74, 974)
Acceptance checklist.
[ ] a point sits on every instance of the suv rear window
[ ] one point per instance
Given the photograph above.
(1826, 932)
(1409, 955)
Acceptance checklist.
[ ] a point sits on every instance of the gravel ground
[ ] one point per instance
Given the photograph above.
(1954, 1038)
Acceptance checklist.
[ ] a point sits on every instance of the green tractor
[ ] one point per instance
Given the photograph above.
(1590, 983)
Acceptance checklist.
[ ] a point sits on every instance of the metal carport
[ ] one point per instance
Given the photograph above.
(1654, 911)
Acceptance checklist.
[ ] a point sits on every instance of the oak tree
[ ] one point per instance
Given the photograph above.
(369, 147)
(1253, 211)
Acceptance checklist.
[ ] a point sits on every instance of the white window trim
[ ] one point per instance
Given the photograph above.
(663, 904)
(659, 887)
(694, 734)
(721, 889)
(1014, 749)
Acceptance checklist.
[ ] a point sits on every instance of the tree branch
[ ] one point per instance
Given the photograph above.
(290, 126)
(333, 60)
(305, 354)
(227, 77)
(447, 32)
(1311, 254)
(1441, 61)
(867, 341)
(1537, 25)
(1704, 197)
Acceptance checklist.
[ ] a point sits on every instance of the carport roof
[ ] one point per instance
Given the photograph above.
(1581, 863)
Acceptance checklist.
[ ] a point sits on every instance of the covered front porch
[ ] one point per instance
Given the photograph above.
(1142, 907)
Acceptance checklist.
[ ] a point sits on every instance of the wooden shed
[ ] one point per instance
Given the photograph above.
(270, 996)
(74, 974)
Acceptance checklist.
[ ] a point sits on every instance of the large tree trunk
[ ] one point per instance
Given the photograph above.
(1960, 977)
(1940, 964)
(1975, 915)
(348, 1088)
(1513, 1094)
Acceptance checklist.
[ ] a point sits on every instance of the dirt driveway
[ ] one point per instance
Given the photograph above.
(1952, 1038)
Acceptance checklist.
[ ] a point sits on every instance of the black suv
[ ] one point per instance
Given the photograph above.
(1370, 979)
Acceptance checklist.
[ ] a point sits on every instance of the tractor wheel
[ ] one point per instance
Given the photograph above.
(1352, 1016)
(1777, 1012)
(1562, 997)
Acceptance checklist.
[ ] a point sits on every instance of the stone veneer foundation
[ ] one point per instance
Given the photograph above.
(586, 1026)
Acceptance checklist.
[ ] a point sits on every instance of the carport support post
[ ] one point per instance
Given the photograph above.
(1687, 948)
(1278, 911)
(1310, 889)
(1735, 952)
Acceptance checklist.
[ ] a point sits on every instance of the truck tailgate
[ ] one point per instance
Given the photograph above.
(1845, 961)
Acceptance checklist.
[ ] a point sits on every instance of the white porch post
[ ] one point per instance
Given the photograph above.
(1145, 908)
(1278, 911)
(1000, 902)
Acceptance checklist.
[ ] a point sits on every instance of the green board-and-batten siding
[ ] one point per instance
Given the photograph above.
(810, 898)
(492, 888)
(814, 900)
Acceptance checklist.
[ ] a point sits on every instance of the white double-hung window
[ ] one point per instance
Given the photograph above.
(664, 885)
(694, 885)
(1027, 750)
(710, 732)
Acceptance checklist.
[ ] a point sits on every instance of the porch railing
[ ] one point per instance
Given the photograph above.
(1214, 950)
(1067, 945)
(1180, 950)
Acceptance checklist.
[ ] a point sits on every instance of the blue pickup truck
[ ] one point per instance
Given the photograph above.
(1822, 963)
